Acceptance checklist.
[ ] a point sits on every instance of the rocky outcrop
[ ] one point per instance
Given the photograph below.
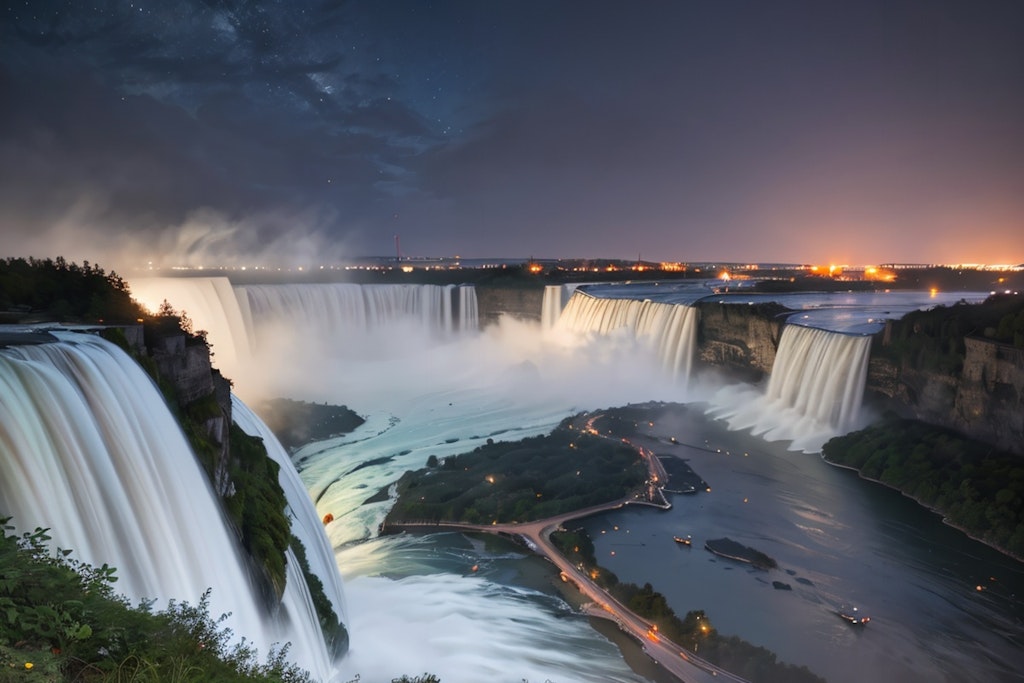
(985, 400)
(523, 303)
(188, 368)
(741, 338)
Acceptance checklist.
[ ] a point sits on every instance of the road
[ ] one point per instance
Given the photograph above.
(686, 667)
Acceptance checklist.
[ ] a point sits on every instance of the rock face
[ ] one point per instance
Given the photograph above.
(742, 338)
(985, 401)
(523, 303)
(189, 369)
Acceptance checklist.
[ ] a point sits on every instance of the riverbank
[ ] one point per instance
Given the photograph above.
(972, 487)
(930, 508)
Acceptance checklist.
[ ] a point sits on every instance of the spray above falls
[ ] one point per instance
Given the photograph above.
(668, 330)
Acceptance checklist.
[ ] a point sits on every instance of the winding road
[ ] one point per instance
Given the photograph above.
(536, 535)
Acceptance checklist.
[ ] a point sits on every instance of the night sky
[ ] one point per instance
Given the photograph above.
(211, 133)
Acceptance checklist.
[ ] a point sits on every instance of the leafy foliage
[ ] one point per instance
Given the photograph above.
(61, 620)
(934, 339)
(55, 289)
(258, 505)
(538, 477)
(975, 487)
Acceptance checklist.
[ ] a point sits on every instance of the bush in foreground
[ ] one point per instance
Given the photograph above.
(61, 620)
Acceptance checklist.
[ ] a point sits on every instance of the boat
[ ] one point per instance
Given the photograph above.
(683, 541)
(853, 616)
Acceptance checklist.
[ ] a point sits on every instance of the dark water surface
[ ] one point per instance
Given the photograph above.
(839, 542)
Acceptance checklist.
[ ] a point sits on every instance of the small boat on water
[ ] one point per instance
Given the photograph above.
(853, 617)
(683, 541)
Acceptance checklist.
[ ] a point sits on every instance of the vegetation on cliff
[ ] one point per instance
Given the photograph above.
(694, 632)
(975, 487)
(934, 339)
(534, 478)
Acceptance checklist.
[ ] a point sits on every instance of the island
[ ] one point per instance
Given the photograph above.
(732, 550)
(528, 491)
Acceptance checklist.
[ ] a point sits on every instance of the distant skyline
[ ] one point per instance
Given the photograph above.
(203, 133)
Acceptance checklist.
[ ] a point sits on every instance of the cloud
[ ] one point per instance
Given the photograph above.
(672, 130)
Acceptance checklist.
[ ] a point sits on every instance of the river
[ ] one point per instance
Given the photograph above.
(839, 541)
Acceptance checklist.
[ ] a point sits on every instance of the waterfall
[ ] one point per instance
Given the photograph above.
(551, 306)
(235, 316)
(670, 330)
(89, 450)
(468, 312)
(814, 391)
(820, 374)
(306, 524)
(268, 338)
(555, 298)
(349, 308)
(211, 304)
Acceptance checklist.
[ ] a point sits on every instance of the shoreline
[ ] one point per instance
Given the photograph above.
(929, 508)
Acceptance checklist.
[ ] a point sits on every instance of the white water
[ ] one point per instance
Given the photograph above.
(426, 393)
(555, 298)
(468, 312)
(442, 394)
(814, 391)
(263, 326)
(339, 308)
(669, 330)
(212, 306)
(90, 451)
(306, 525)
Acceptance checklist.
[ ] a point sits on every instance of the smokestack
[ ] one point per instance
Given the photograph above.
(398, 250)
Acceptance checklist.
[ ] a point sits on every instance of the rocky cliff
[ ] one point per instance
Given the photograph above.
(523, 303)
(985, 400)
(187, 367)
(742, 338)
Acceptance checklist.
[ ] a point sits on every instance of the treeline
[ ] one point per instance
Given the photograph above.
(56, 289)
(692, 633)
(538, 477)
(934, 339)
(973, 486)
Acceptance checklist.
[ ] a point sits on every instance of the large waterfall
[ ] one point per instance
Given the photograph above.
(670, 330)
(89, 450)
(259, 325)
(333, 308)
(814, 392)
